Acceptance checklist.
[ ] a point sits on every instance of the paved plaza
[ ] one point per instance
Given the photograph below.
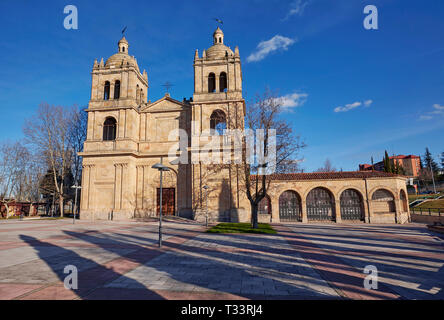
(121, 260)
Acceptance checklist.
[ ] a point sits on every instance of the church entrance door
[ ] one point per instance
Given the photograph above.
(168, 201)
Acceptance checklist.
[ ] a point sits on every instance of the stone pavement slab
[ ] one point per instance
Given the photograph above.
(121, 260)
(409, 259)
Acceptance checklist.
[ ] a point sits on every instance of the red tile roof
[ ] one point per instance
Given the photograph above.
(404, 157)
(330, 175)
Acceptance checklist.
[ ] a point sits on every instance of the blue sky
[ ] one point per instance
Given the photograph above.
(390, 80)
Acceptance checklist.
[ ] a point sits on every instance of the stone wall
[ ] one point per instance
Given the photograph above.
(427, 219)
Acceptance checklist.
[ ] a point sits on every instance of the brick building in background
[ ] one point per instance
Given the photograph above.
(411, 165)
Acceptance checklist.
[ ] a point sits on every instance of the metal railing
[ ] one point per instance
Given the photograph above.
(428, 211)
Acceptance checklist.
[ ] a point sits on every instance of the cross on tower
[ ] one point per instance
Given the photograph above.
(167, 86)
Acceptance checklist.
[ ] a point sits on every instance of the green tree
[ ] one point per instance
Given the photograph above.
(429, 162)
(387, 164)
(442, 161)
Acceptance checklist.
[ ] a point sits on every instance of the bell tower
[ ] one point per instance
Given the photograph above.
(118, 89)
(217, 105)
(118, 80)
(217, 82)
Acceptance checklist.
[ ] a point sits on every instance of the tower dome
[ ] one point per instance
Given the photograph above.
(218, 49)
(123, 45)
(122, 59)
(218, 36)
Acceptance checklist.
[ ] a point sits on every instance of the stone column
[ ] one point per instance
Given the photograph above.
(118, 186)
(121, 124)
(370, 212)
(111, 91)
(398, 210)
(366, 210)
(304, 211)
(338, 211)
(275, 209)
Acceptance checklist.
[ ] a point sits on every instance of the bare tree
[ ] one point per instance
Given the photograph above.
(328, 167)
(48, 131)
(14, 170)
(77, 135)
(265, 113)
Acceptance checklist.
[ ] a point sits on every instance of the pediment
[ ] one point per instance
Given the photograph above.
(166, 104)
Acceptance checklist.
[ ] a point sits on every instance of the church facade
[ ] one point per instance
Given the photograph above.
(127, 134)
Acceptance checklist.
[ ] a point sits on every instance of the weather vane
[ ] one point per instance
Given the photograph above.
(123, 31)
(218, 20)
(167, 86)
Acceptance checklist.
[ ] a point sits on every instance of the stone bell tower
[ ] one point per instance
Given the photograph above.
(118, 79)
(217, 104)
(118, 90)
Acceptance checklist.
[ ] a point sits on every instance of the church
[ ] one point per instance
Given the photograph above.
(127, 134)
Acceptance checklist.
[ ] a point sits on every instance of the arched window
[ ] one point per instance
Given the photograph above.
(211, 82)
(117, 89)
(218, 122)
(109, 129)
(106, 91)
(137, 93)
(223, 82)
(264, 206)
(123, 49)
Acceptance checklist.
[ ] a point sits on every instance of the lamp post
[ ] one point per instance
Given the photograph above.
(206, 204)
(161, 168)
(433, 178)
(75, 202)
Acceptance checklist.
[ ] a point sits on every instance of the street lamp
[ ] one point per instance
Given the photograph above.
(433, 178)
(75, 202)
(161, 168)
(206, 204)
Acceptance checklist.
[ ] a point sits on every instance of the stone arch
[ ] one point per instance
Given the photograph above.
(383, 201)
(264, 206)
(320, 203)
(109, 129)
(218, 121)
(374, 189)
(290, 206)
(106, 90)
(117, 89)
(223, 84)
(211, 82)
(352, 205)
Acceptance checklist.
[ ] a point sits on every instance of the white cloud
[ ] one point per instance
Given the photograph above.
(297, 7)
(264, 48)
(423, 117)
(437, 111)
(348, 107)
(293, 100)
(351, 106)
(367, 103)
(438, 108)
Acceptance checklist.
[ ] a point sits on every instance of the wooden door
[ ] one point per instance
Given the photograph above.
(168, 201)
